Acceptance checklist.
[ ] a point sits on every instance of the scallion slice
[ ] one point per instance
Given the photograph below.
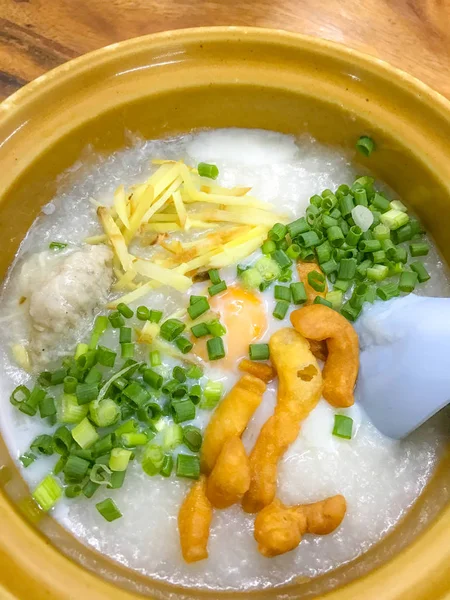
(76, 468)
(183, 410)
(280, 310)
(70, 411)
(217, 288)
(100, 326)
(211, 394)
(116, 320)
(108, 509)
(215, 348)
(119, 459)
(155, 358)
(47, 493)
(167, 465)
(192, 438)
(198, 308)
(85, 433)
(215, 328)
(183, 344)
(57, 245)
(419, 268)
(125, 310)
(172, 437)
(259, 351)
(343, 427)
(43, 444)
(188, 466)
(207, 170)
(152, 459)
(171, 329)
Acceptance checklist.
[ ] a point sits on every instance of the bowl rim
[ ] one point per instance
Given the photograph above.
(392, 580)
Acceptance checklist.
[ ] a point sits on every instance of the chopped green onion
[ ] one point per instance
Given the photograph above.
(365, 145)
(419, 249)
(268, 268)
(86, 392)
(217, 288)
(73, 490)
(70, 410)
(316, 200)
(353, 236)
(188, 466)
(394, 219)
(117, 479)
(278, 232)
(293, 251)
(102, 446)
(380, 203)
(167, 466)
(60, 464)
(215, 328)
(100, 474)
(183, 344)
(80, 350)
(104, 413)
(347, 268)
(349, 312)
(419, 268)
(116, 320)
(398, 205)
(369, 245)
(137, 394)
(57, 245)
(403, 234)
(298, 292)
(280, 309)
(317, 281)
(198, 308)
(150, 413)
(119, 459)
(282, 292)
(105, 356)
(342, 285)
(377, 272)
(207, 170)
(85, 433)
(268, 247)
(381, 232)
(360, 196)
(192, 438)
(90, 488)
(108, 509)
(27, 459)
(335, 236)
(155, 358)
(57, 377)
(195, 393)
(171, 329)
(335, 299)
(100, 326)
(47, 407)
(47, 493)
(297, 227)
(173, 437)
(259, 351)
(152, 459)
(200, 330)
(282, 259)
(70, 384)
(128, 427)
(183, 410)
(179, 374)
(358, 296)
(343, 427)
(330, 200)
(194, 372)
(125, 310)
(143, 313)
(324, 252)
(251, 278)
(308, 239)
(408, 281)
(76, 468)
(131, 440)
(155, 316)
(211, 394)
(285, 276)
(379, 256)
(215, 348)
(43, 444)
(388, 291)
(320, 300)
(346, 205)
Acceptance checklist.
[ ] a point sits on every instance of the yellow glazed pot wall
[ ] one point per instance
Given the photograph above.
(170, 83)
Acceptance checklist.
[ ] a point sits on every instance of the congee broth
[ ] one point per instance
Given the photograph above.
(161, 395)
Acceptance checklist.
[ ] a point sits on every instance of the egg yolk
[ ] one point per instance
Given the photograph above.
(244, 317)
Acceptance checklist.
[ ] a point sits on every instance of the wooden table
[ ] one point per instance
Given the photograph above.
(37, 35)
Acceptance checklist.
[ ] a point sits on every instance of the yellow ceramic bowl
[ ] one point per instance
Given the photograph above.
(173, 82)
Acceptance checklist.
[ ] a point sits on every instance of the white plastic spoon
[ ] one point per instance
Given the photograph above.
(404, 377)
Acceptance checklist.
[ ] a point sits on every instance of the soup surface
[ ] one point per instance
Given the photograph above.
(379, 477)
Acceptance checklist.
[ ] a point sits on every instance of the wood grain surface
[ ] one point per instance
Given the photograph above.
(37, 35)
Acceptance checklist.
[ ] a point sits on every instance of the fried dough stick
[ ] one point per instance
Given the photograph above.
(230, 477)
(231, 418)
(194, 520)
(279, 528)
(299, 390)
(319, 349)
(319, 322)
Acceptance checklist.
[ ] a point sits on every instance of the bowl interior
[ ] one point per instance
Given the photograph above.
(168, 84)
